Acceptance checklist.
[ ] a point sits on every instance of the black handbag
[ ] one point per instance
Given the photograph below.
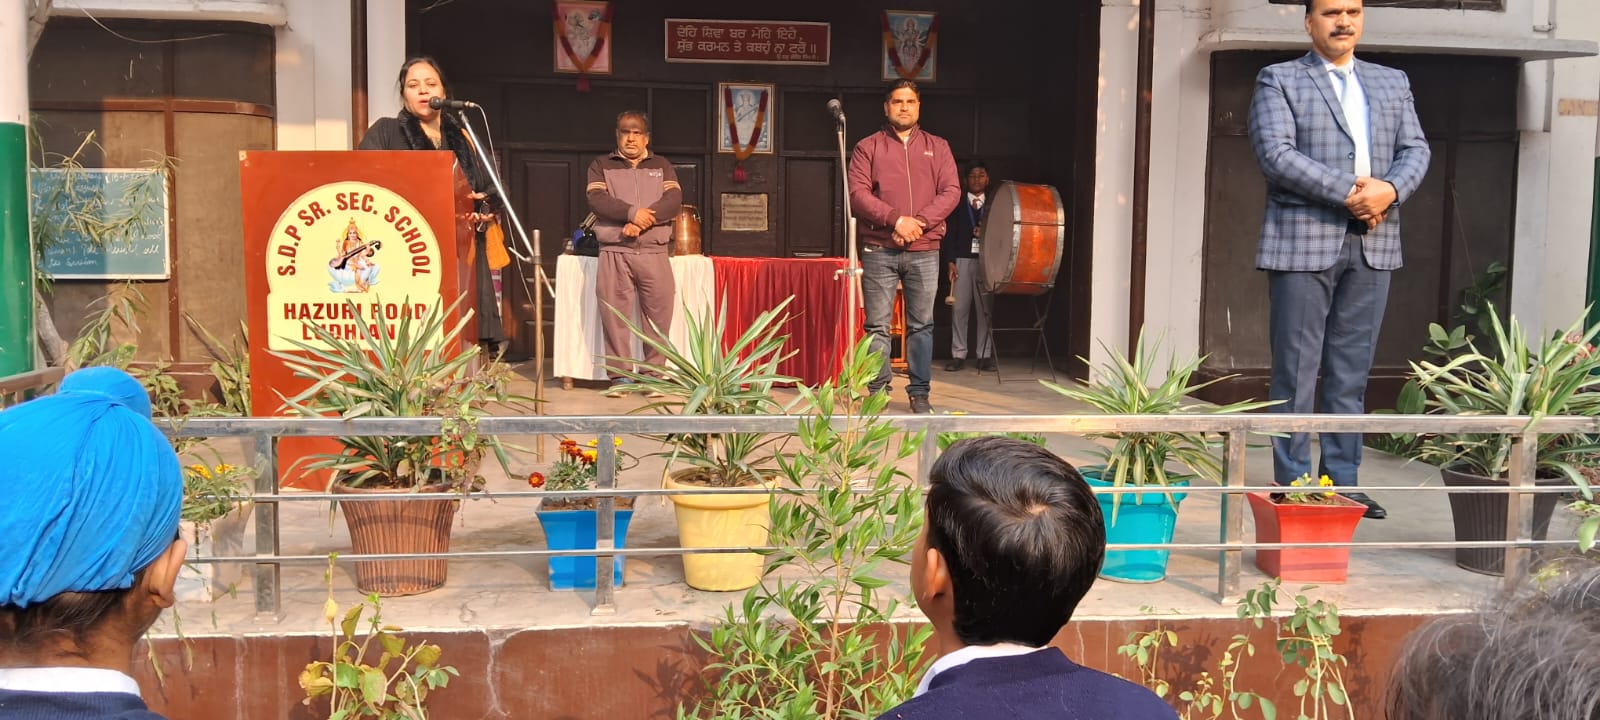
(584, 241)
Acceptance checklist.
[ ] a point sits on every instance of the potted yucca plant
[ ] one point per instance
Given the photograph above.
(711, 377)
(1121, 386)
(1508, 376)
(416, 367)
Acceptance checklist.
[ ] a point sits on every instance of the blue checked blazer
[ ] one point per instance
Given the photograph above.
(1304, 146)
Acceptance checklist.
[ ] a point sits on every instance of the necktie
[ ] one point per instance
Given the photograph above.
(1352, 101)
(977, 203)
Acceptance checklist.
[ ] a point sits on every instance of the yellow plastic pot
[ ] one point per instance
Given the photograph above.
(721, 521)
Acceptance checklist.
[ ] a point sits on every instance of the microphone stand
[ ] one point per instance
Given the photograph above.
(532, 256)
(852, 268)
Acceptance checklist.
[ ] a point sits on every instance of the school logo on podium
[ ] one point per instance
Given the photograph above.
(344, 255)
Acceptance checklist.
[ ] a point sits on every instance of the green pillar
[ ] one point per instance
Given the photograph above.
(1592, 295)
(16, 245)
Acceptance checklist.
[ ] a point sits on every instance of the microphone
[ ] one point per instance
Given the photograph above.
(439, 103)
(836, 108)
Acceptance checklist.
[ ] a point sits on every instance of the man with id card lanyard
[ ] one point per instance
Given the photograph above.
(960, 250)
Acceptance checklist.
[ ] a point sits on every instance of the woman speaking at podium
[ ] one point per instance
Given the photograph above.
(420, 127)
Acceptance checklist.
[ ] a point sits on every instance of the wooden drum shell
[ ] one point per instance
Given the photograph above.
(1023, 238)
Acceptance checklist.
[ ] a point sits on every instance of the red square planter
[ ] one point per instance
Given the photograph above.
(1290, 523)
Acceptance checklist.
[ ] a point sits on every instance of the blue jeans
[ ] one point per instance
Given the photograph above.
(882, 269)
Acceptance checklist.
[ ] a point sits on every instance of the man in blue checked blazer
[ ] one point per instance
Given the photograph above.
(1341, 148)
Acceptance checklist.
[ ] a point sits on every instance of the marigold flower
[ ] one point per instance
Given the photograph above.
(536, 480)
(589, 456)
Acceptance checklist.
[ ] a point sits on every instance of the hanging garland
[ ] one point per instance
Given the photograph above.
(894, 52)
(740, 151)
(602, 34)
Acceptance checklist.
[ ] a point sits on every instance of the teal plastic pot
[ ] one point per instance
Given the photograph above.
(1144, 518)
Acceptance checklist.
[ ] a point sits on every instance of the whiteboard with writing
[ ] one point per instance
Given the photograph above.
(129, 205)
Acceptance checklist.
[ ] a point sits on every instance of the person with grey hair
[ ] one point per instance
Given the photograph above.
(1535, 656)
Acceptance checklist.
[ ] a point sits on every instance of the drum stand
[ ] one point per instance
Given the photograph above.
(1041, 312)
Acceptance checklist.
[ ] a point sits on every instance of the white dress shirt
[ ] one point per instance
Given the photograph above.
(968, 654)
(1353, 98)
(67, 680)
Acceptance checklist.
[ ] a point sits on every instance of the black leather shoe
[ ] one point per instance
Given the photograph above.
(987, 365)
(1374, 510)
(920, 405)
(955, 364)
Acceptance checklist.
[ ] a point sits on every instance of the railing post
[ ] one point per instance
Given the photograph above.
(926, 454)
(1523, 461)
(1229, 561)
(269, 605)
(605, 526)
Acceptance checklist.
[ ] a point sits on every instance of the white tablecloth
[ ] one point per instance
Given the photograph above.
(580, 341)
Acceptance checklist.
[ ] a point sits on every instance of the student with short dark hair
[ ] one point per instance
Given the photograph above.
(89, 508)
(1011, 542)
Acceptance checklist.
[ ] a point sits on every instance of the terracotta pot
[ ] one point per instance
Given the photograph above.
(398, 526)
(1293, 522)
(1482, 516)
(721, 521)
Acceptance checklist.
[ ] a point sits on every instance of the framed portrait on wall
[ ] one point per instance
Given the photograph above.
(583, 37)
(744, 118)
(910, 45)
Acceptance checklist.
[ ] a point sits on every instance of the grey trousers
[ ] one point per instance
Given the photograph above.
(1324, 321)
(968, 302)
(624, 278)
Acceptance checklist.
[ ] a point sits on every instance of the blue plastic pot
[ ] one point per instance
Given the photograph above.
(1143, 518)
(575, 530)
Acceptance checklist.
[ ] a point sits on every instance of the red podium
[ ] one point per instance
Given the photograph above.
(387, 230)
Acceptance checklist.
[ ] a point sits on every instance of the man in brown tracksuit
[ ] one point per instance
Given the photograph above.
(635, 197)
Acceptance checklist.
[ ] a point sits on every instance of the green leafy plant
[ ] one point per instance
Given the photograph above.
(706, 378)
(1476, 301)
(1305, 639)
(230, 365)
(1119, 387)
(576, 468)
(1212, 696)
(395, 686)
(79, 210)
(417, 367)
(1589, 516)
(809, 642)
(211, 491)
(1310, 497)
(1511, 378)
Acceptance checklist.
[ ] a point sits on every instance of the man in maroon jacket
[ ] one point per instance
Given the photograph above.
(634, 196)
(903, 184)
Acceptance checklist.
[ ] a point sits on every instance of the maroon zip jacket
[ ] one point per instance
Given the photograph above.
(889, 179)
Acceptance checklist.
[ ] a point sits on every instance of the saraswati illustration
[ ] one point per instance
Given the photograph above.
(352, 267)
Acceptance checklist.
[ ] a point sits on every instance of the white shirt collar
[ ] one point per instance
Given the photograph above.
(1330, 67)
(973, 197)
(968, 654)
(67, 680)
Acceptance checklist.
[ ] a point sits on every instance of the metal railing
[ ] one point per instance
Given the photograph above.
(1234, 430)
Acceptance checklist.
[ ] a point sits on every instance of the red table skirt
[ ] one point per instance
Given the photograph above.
(818, 333)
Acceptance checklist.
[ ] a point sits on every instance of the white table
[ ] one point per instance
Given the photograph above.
(580, 341)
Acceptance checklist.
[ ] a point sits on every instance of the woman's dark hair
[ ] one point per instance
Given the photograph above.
(72, 614)
(400, 83)
(1021, 534)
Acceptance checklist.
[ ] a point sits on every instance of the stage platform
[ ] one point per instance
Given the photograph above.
(524, 650)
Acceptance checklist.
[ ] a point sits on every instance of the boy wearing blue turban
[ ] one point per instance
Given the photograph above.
(89, 504)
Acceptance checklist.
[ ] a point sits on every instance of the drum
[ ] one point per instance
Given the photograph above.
(686, 232)
(1023, 236)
